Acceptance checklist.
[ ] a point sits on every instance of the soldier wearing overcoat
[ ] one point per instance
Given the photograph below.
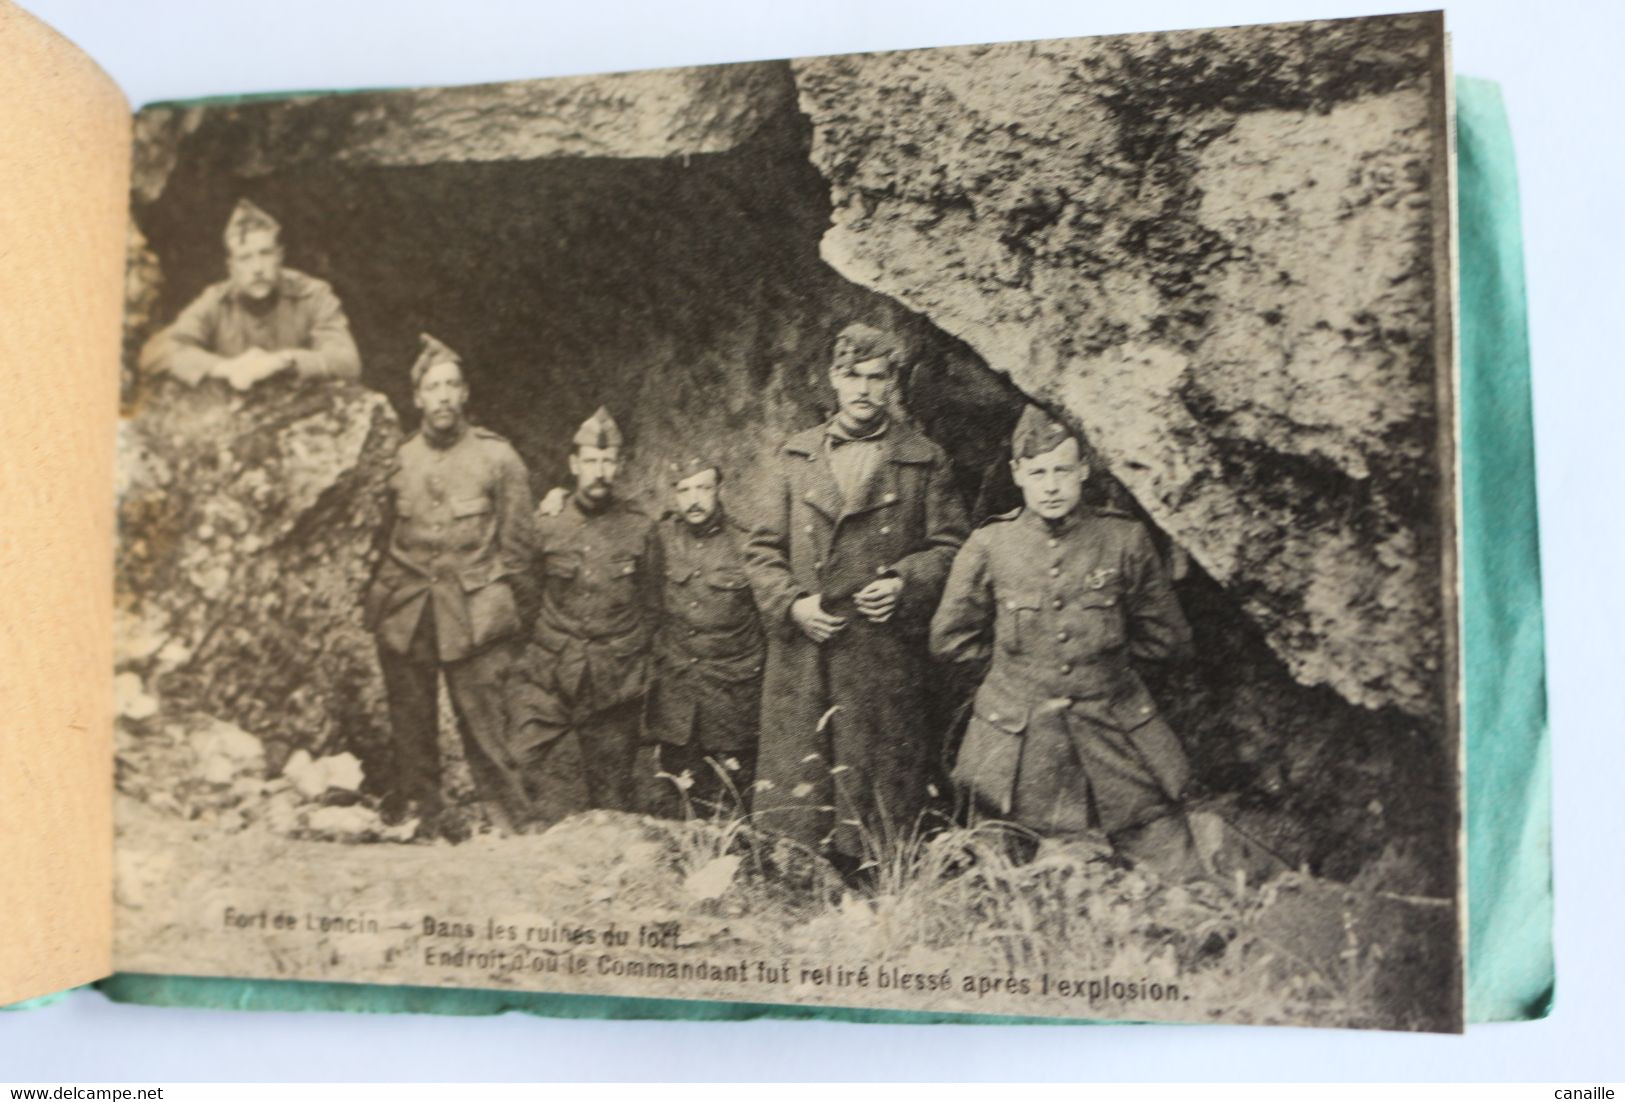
(847, 560)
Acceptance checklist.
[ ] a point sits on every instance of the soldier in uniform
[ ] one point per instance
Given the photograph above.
(587, 665)
(263, 319)
(847, 561)
(447, 595)
(1057, 602)
(705, 700)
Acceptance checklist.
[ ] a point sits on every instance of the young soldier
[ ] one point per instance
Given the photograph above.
(705, 700)
(263, 319)
(444, 598)
(587, 667)
(1058, 602)
(847, 562)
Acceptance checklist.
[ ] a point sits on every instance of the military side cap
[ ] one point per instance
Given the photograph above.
(598, 431)
(858, 343)
(690, 465)
(1036, 433)
(246, 217)
(434, 351)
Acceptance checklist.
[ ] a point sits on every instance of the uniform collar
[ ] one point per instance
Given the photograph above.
(1063, 527)
(717, 522)
(580, 505)
(448, 443)
(838, 433)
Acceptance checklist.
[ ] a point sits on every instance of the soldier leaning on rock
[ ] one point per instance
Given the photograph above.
(705, 697)
(578, 695)
(448, 593)
(262, 320)
(1057, 602)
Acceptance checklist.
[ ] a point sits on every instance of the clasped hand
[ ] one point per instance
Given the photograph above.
(876, 602)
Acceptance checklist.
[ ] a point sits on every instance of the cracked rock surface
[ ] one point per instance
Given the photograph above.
(1212, 250)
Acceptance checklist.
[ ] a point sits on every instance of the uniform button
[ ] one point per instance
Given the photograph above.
(693, 604)
(693, 661)
(1057, 603)
(885, 529)
(993, 716)
(1055, 572)
(693, 631)
(1066, 667)
(1145, 709)
(881, 570)
(1062, 636)
(891, 497)
(818, 564)
(1054, 542)
(809, 529)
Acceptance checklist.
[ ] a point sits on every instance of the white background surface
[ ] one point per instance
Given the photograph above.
(1558, 63)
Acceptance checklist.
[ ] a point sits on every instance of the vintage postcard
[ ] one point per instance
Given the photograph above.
(961, 530)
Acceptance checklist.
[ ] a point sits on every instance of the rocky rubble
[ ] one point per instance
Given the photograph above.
(246, 535)
(203, 770)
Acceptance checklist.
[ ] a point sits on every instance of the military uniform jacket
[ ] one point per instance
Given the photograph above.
(459, 540)
(599, 601)
(304, 316)
(709, 646)
(1056, 614)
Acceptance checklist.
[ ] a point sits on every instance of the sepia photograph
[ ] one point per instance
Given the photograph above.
(967, 531)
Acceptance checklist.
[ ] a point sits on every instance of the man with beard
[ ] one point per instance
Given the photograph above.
(705, 699)
(1056, 602)
(587, 666)
(447, 594)
(847, 560)
(262, 320)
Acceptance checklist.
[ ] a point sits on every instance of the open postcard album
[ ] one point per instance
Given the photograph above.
(959, 531)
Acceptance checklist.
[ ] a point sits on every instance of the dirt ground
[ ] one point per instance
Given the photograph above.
(610, 903)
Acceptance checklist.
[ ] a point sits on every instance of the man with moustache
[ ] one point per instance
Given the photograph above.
(1057, 602)
(447, 594)
(262, 320)
(847, 560)
(578, 695)
(705, 697)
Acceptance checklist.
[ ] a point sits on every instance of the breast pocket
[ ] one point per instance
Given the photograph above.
(730, 598)
(1100, 624)
(729, 581)
(471, 517)
(1016, 625)
(620, 579)
(561, 565)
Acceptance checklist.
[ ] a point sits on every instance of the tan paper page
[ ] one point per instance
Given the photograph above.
(64, 174)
